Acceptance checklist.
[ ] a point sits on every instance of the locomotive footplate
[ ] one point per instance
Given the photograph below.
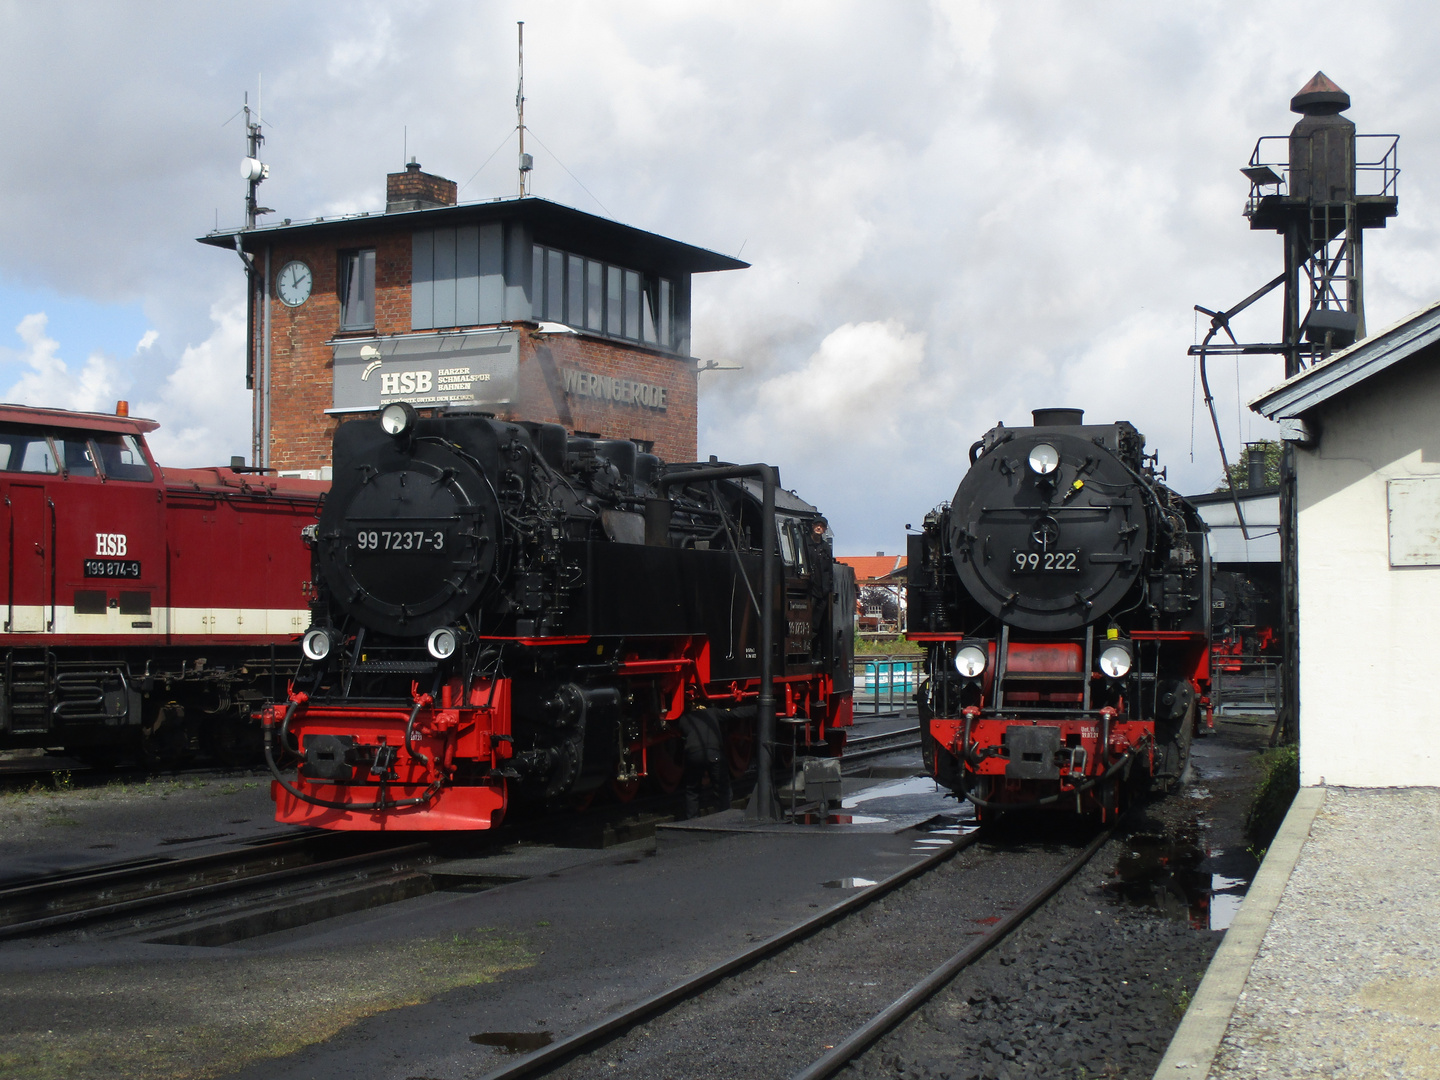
(452, 807)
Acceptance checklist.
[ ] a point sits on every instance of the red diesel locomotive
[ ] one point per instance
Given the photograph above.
(1063, 597)
(505, 613)
(147, 611)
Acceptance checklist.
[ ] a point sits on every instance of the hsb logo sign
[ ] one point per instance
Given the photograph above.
(405, 382)
(110, 544)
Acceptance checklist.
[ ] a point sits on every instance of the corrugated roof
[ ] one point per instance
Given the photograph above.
(1300, 393)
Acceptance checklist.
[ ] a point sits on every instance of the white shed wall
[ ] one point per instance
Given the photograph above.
(1369, 632)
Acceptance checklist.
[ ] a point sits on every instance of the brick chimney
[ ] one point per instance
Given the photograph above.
(416, 190)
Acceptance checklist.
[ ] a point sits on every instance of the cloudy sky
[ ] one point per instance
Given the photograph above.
(955, 211)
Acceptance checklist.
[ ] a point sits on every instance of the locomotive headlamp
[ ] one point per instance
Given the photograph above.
(1115, 659)
(1044, 459)
(441, 643)
(397, 418)
(316, 644)
(970, 660)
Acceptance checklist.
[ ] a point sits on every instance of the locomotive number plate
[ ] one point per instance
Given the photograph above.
(121, 568)
(401, 540)
(1045, 562)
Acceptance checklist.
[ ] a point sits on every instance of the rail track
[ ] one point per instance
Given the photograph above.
(864, 747)
(302, 869)
(579, 1053)
(341, 870)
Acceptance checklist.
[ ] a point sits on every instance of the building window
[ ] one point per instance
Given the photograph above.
(357, 290)
(596, 296)
(632, 304)
(457, 277)
(614, 317)
(575, 290)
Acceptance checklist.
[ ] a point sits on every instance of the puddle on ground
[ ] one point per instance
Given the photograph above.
(914, 785)
(1165, 872)
(514, 1042)
(850, 883)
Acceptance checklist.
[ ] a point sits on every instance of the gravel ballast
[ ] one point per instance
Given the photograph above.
(1093, 985)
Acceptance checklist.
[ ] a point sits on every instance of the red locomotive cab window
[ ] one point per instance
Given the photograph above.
(75, 455)
(121, 457)
(26, 451)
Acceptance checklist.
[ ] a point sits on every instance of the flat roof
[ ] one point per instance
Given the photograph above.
(551, 223)
(68, 418)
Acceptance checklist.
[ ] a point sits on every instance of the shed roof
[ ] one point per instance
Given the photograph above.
(1368, 357)
(552, 223)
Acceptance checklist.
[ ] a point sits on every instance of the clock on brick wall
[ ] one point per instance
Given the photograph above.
(293, 283)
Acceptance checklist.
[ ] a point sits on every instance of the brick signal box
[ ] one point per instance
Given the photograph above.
(521, 307)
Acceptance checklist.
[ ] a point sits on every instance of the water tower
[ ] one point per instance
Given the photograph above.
(1320, 188)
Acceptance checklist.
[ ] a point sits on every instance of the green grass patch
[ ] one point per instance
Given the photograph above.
(886, 646)
(194, 1019)
(1280, 781)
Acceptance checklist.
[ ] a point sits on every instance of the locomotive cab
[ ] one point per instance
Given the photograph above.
(121, 638)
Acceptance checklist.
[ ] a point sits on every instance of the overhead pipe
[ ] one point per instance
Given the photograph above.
(767, 808)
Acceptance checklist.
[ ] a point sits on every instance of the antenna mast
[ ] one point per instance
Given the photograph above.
(252, 169)
(526, 161)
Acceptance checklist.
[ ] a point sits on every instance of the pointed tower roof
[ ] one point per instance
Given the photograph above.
(1320, 97)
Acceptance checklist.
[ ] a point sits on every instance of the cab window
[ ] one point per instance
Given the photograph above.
(121, 457)
(76, 454)
(26, 451)
(792, 542)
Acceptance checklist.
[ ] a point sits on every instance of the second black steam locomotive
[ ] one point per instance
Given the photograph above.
(1063, 597)
(502, 611)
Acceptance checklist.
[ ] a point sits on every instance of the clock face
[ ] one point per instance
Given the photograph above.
(293, 283)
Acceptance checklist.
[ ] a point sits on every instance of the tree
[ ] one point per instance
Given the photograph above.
(1240, 472)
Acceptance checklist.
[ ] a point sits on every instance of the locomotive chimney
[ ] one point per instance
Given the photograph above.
(1058, 417)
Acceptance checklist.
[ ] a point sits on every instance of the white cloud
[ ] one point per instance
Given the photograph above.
(50, 382)
(1006, 206)
(146, 340)
(203, 406)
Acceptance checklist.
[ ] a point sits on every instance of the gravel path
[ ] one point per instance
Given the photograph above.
(1347, 981)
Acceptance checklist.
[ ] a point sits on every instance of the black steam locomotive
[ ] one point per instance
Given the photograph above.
(1063, 595)
(504, 612)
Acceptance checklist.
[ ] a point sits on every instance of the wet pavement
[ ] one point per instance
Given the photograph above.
(522, 941)
(518, 945)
